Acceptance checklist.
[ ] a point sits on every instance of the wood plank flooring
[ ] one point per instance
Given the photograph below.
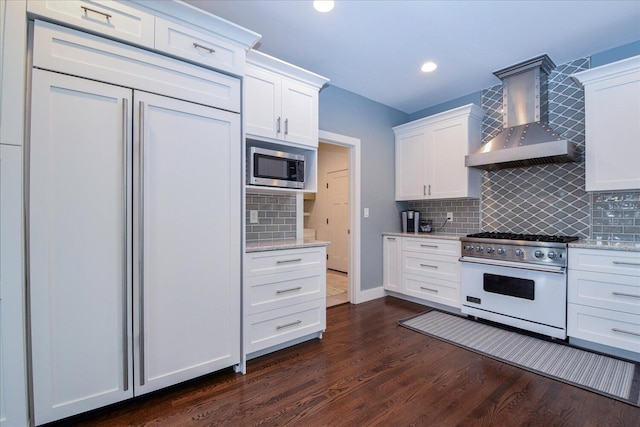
(368, 371)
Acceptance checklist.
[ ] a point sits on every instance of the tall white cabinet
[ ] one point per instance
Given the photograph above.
(430, 155)
(612, 128)
(134, 227)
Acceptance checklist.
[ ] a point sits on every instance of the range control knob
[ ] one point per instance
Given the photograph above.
(519, 253)
(479, 248)
(468, 247)
(552, 255)
(538, 254)
(501, 251)
(490, 250)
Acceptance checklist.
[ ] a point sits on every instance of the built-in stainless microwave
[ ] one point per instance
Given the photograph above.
(275, 168)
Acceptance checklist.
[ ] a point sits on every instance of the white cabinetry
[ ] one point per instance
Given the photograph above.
(13, 374)
(424, 268)
(604, 297)
(430, 155)
(612, 128)
(392, 263)
(108, 18)
(281, 101)
(284, 297)
(134, 239)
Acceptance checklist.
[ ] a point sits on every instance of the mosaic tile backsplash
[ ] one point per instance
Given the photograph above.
(547, 199)
(276, 216)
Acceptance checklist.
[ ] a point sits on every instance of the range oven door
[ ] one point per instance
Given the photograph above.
(532, 299)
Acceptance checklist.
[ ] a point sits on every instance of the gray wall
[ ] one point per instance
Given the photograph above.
(348, 114)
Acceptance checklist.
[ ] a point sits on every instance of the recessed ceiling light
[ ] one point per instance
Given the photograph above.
(429, 66)
(323, 5)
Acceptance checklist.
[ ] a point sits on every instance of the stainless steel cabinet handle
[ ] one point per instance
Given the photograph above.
(289, 324)
(391, 238)
(284, 261)
(282, 291)
(199, 46)
(635, 264)
(141, 238)
(278, 125)
(429, 246)
(125, 235)
(622, 294)
(427, 265)
(88, 9)
(429, 289)
(286, 126)
(424, 190)
(429, 189)
(625, 332)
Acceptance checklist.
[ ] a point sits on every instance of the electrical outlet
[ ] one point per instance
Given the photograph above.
(450, 216)
(253, 217)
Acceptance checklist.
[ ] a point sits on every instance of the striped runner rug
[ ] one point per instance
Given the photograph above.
(608, 376)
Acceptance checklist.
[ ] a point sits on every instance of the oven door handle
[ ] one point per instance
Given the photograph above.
(501, 263)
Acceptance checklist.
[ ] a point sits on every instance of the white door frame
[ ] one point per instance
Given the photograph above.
(353, 144)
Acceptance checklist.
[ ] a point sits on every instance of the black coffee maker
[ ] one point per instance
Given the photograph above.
(410, 221)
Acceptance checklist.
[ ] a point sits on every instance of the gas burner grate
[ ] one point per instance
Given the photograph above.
(525, 237)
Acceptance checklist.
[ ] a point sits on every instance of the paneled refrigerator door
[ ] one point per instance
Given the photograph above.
(79, 244)
(187, 214)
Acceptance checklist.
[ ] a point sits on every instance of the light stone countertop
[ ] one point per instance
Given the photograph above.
(280, 244)
(599, 244)
(433, 235)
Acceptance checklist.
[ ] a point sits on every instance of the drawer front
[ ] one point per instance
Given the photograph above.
(440, 291)
(108, 18)
(431, 246)
(435, 266)
(273, 291)
(68, 51)
(270, 262)
(612, 328)
(275, 327)
(605, 261)
(608, 291)
(194, 46)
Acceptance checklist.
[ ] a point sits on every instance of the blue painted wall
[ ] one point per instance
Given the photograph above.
(615, 54)
(348, 114)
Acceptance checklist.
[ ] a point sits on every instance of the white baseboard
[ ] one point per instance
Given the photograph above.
(368, 295)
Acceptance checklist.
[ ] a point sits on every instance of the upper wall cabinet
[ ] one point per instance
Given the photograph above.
(281, 101)
(430, 155)
(612, 108)
(170, 27)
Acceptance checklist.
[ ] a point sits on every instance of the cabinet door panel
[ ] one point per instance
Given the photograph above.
(262, 103)
(190, 283)
(300, 113)
(392, 263)
(79, 274)
(446, 171)
(410, 165)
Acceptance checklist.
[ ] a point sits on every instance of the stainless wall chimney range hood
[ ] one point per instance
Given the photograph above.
(526, 139)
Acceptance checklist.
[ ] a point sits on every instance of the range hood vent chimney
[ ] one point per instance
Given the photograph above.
(526, 139)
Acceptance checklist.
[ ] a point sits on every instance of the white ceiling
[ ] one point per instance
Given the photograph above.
(376, 48)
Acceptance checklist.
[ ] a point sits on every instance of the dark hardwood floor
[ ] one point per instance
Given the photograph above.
(369, 371)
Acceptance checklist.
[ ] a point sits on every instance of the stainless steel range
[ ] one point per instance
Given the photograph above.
(516, 279)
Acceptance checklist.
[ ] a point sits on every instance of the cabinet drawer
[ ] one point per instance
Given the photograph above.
(605, 261)
(612, 328)
(608, 291)
(194, 46)
(270, 262)
(436, 266)
(440, 291)
(272, 291)
(432, 246)
(275, 327)
(108, 18)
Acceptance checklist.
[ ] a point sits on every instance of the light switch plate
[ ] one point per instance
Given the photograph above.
(366, 212)
(253, 217)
